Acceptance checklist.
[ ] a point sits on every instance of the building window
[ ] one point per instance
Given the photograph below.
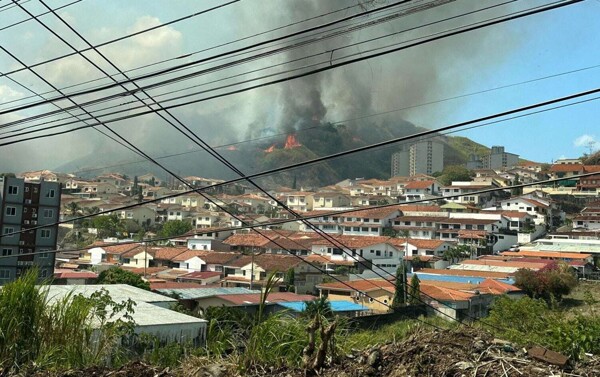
(45, 233)
(9, 230)
(7, 252)
(51, 193)
(4, 274)
(44, 273)
(48, 213)
(11, 211)
(13, 190)
(44, 254)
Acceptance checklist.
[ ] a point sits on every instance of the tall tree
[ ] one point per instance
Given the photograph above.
(414, 297)
(175, 228)
(400, 293)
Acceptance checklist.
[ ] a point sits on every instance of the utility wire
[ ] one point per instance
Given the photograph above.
(328, 61)
(220, 158)
(145, 76)
(31, 18)
(72, 101)
(195, 52)
(320, 69)
(319, 159)
(120, 38)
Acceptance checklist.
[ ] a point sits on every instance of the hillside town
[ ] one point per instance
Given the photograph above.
(463, 239)
(340, 188)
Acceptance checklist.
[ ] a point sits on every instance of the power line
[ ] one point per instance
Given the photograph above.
(167, 70)
(122, 37)
(329, 60)
(194, 52)
(31, 18)
(323, 69)
(350, 119)
(52, 86)
(336, 155)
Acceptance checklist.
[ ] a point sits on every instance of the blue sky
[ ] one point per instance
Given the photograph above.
(546, 44)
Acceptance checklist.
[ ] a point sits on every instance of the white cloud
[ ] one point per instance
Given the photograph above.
(587, 141)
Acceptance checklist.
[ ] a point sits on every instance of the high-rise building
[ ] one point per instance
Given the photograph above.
(27, 205)
(496, 159)
(423, 157)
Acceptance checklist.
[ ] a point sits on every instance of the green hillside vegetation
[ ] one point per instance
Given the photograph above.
(460, 148)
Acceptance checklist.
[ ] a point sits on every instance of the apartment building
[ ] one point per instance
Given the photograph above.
(423, 157)
(28, 205)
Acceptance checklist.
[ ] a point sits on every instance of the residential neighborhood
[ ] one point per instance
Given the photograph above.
(299, 188)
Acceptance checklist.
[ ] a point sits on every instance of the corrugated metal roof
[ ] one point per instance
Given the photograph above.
(457, 279)
(118, 292)
(336, 306)
(195, 293)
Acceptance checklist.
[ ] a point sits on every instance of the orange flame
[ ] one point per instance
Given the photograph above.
(291, 142)
(270, 149)
(232, 148)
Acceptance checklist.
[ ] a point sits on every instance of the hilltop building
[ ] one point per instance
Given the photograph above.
(496, 159)
(423, 157)
(28, 205)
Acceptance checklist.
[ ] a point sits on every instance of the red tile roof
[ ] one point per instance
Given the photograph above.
(166, 253)
(546, 254)
(499, 286)
(323, 259)
(482, 274)
(444, 294)
(419, 184)
(200, 275)
(70, 274)
(268, 262)
(419, 208)
(563, 168)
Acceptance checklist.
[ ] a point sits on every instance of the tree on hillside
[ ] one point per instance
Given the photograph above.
(457, 253)
(454, 173)
(116, 275)
(400, 293)
(175, 228)
(553, 281)
(289, 280)
(8, 175)
(414, 293)
(108, 226)
(73, 208)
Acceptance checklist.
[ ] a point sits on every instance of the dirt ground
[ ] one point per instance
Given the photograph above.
(456, 353)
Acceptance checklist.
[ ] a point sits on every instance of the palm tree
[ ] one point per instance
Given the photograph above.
(73, 208)
(320, 307)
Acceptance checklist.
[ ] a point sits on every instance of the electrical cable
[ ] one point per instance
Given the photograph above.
(31, 18)
(321, 69)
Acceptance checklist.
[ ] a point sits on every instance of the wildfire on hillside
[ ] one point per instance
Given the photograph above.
(291, 142)
(232, 148)
(270, 149)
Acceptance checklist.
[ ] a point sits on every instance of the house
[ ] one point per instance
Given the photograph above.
(201, 277)
(114, 179)
(142, 215)
(178, 213)
(71, 277)
(97, 189)
(362, 251)
(330, 199)
(151, 192)
(374, 294)
(164, 256)
(110, 254)
(368, 222)
(299, 201)
(419, 190)
(423, 247)
(203, 260)
(468, 192)
(422, 227)
(138, 257)
(45, 175)
(541, 208)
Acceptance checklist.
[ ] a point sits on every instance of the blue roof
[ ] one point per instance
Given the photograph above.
(458, 279)
(336, 306)
(196, 293)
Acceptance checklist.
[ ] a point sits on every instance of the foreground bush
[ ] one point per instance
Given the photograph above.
(534, 321)
(71, 332)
